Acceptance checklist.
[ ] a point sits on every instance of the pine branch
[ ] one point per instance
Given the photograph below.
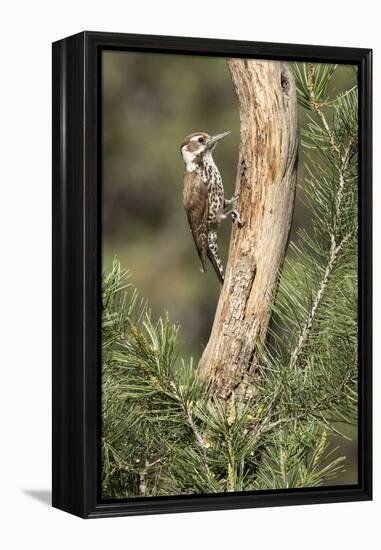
(333, 254)
(335, 247)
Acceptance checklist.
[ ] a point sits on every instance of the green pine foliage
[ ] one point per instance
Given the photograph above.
(165, 433)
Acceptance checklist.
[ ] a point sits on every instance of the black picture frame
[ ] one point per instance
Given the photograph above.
(77, 169)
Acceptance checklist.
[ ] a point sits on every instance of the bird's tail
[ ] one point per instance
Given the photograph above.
(214, 257)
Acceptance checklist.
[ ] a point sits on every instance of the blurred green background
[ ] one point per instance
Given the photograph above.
(150, 103)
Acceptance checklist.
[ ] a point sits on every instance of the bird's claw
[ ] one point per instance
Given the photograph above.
(236, 218)
(233, 201)
(233, 212)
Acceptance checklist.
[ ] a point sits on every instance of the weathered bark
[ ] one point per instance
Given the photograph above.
(265, 183)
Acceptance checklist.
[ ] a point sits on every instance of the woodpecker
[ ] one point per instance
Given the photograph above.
(204, 197)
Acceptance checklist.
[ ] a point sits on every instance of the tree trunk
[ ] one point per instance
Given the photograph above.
(265, 183)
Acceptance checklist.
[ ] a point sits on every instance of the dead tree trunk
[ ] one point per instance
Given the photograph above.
(265, 183)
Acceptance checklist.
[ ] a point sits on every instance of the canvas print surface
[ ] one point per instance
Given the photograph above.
(230, 283)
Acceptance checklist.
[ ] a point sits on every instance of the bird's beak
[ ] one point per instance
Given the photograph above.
(215, 139)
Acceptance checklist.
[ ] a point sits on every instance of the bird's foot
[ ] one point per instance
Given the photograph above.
(233, 212)
(232, 201)
(236, 218)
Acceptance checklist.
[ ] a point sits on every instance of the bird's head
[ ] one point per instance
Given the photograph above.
(195, 146)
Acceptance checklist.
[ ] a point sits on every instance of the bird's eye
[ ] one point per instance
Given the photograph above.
(201, 139)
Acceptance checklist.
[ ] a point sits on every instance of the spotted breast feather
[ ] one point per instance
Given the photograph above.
(195, 196)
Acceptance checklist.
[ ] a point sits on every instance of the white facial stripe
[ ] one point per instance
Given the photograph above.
(189, 159)
(195, 138)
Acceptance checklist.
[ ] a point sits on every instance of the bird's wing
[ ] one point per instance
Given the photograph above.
(195, 197)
